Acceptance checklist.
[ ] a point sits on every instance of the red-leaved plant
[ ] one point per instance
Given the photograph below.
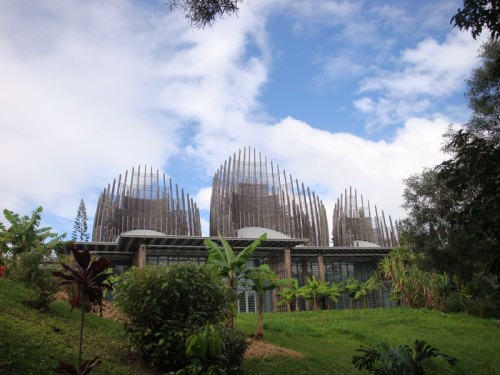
(90, 279)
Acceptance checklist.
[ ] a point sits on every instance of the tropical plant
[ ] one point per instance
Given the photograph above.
(90, 278)
(289, 293)
(231, 266)
(36, 276)
(399, 360)
(394, 268)
(263, 280)
(313, 290)
(24, 235)
(334, 291)
(205, 349)
(165, 305)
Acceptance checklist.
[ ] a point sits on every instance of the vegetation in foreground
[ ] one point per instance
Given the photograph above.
(329, 339)
(33, 342)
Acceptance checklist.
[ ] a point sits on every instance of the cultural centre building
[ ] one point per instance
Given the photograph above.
(143, 218)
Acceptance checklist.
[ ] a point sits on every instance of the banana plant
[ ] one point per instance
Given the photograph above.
(231, 266)
(262, 280)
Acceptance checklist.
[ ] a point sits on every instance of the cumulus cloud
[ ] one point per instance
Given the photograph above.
(423, 75)
(90, 89)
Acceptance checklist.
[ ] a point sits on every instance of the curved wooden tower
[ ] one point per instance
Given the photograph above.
(250, 192)
(355, 223)
(144, 200)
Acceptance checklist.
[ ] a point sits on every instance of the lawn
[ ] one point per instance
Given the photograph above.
(329, 339)
(33, 342)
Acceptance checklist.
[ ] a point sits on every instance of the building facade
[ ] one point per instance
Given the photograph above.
(144, 219)
(144, 200)
(248, 191)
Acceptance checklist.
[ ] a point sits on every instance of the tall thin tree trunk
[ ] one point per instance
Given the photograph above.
(260, 319)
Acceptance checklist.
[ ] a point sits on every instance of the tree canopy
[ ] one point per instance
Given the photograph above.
(203, 13)
(454, 208)
(477, 15)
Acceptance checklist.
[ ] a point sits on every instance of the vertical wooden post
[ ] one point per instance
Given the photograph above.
(288, 263)
(321, 268)
(140, 256)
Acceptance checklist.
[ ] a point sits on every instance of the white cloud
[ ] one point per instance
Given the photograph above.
(431, 71)
(89, 90)
(203, 197)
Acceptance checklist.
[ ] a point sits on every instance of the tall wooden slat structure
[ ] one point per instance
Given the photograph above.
(249, 192)
(144, 200)
(353, 223)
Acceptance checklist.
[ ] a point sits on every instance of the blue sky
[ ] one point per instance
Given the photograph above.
(338, 93)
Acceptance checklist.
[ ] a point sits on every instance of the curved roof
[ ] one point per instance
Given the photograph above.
(255, 232)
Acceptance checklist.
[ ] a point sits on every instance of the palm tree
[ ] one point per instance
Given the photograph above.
(231, 266)
(263, 279)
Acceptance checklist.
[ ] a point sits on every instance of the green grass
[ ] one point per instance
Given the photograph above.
(29, 343)
(329, 339)
(33, 342)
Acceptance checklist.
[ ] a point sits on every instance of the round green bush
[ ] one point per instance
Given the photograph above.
(164, 305)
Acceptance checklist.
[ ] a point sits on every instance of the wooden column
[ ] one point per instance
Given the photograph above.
(287, 263)
(140, 256)
(321, 268)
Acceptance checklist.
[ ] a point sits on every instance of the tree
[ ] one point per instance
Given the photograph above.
(80, 228)
(454, 209)
(289, 293)
(24, 235)
(230, 266)
(263, 280)
(313, 290)
(478, 14)
(202, 13)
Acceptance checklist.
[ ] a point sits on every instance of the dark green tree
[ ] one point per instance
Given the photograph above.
(80, 228)
(454, 209)
(477, 15)
(203, 13)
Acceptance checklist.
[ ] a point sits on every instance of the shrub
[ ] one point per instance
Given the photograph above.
(401, 359)
(164, 305)
(36, 276)
(236, 344)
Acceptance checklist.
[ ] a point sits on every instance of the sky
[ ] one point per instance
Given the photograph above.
(337, 93)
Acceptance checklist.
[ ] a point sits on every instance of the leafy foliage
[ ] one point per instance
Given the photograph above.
(263, 280)
(203, 12)
(91, 279)
(24, 235)
(230, 266)
(399, 360)
(454, 209)
(32, 272)
(165, 305)
(478, 14)
(80, 228)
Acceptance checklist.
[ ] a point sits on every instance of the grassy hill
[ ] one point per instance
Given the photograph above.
(33, 343)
